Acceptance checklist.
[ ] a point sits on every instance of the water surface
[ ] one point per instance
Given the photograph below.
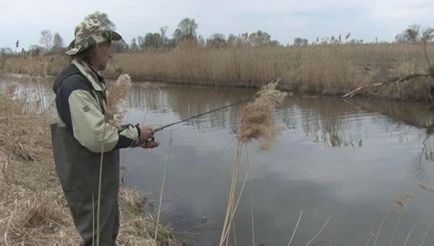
(345, 159)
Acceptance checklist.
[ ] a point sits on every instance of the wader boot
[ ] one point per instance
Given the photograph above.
(78, 171)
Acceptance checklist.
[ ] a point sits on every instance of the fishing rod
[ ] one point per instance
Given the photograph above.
(201, 114)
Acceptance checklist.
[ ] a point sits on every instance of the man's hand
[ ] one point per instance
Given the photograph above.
(146, 139)
(145, 133)
(150, 144)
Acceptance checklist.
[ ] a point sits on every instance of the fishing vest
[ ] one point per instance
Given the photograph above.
(79, 170)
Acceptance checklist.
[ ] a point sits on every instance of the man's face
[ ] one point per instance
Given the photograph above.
(103, 53)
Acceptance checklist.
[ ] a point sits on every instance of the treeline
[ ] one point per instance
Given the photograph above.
(186, 34)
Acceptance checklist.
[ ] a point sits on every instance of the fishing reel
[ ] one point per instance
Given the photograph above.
(146, 143)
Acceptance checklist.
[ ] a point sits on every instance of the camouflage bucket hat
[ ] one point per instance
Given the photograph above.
(90, 33)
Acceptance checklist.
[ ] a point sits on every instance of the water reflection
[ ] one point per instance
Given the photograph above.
(325, 121)
(347, 159)
(36, 96)
(408, 114)
(334, 158)
(185, 101)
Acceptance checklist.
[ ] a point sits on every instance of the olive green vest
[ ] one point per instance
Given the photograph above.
(78, 171)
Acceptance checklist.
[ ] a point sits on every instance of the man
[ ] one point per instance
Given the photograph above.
(83, 133)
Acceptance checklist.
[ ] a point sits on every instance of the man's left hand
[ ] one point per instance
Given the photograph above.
(150, 144)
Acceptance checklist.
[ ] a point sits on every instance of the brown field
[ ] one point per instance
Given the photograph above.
(331, 69)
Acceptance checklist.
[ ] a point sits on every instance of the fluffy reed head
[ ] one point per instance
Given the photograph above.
(401, 201)
(118, 91)
(257, 122)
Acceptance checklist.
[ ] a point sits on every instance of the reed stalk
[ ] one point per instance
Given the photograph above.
(377, 234)
(163, 184)
(33, 209)
(319, 232)
(428, 229)
(409, 233)
(98, 209)
(295, 228)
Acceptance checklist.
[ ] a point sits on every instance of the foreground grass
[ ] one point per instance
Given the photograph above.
(332, 69)
(33, 210)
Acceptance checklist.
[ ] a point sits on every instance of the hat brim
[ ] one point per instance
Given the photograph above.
(109, 36)
(115, 36)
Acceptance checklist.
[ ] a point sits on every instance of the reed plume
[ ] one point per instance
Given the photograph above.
(257, 122)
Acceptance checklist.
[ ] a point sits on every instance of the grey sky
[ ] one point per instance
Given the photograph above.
(285, 20)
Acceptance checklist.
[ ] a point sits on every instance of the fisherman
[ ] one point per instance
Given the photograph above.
(83, 132)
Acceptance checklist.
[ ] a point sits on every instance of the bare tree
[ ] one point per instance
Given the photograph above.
(153, 40)
(409, 35)
(427, 36)
(216, 40)
(163, 31)
(300, 42)
(57, 43)
(259, 38)
(186, 30)
(46, 40)
(133, 45)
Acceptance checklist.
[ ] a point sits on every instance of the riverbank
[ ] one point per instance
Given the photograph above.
(33, 210)
(331, 69)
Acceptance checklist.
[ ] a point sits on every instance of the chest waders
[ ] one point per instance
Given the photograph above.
(78, 171)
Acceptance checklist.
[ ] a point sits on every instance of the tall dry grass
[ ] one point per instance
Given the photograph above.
(257, 123)
(329, 69)
(33, 210)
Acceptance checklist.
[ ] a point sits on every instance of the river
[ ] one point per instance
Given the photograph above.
(349, 161)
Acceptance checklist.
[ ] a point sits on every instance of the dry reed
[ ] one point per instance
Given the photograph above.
(118, 91)
(327, 68)
(319, 232)
(295, 228)
(257, 122)
(425, 186)
(401, 200)
(33, 210)
(400, 203)
(116, 95)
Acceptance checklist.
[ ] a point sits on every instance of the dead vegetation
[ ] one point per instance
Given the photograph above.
(33, 210)
(117, 92)
(257, 121)
(332, 69)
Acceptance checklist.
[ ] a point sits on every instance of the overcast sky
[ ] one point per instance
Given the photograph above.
(284, 19)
